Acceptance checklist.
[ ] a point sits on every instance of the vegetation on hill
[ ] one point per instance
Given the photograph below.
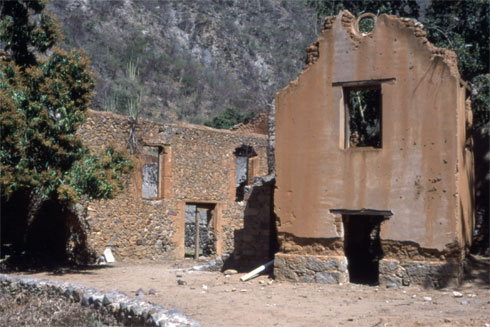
(229, 118)
(44, 93)
(188, 60)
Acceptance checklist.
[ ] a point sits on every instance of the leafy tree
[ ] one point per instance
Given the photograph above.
(462, 26)
(404, 8)
(44, 93)
(229, 118)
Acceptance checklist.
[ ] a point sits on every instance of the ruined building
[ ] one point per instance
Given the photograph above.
(374, 165)
(186, 178)
(373, 162)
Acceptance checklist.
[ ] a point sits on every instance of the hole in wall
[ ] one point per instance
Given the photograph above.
(362, 246)
(242, 167)
(366, 23)
(200, 243)
(363, 116)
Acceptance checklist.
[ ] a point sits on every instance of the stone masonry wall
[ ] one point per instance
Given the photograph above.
(198, 166)
(126, 311)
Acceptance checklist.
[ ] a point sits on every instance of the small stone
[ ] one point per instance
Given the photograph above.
(447, 320)
(152, 291)
(471, 295)
(106, 300)
(233, 289)
(261, 282)
(414, 296)
(204, 287)
(391, 285)
(85, 300)
(140, 292)
(179, 274)
(464, 302)
(230, 272)
(113, 307)
(181, 282)
(77, 295)
(427, 298)
(243, 290)
(457, 294)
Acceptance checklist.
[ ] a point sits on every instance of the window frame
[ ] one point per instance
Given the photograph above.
(346, 90)
(344, 136)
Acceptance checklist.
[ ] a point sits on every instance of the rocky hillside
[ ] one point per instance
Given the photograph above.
(186, 59)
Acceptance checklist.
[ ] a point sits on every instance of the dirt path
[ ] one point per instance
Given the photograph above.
(215, 300)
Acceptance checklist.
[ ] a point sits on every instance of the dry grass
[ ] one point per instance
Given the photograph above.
(33, 310)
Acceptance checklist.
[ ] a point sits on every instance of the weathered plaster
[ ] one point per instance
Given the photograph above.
(422, 172)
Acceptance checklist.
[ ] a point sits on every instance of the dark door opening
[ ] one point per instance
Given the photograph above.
(199, 241)
(362, 247)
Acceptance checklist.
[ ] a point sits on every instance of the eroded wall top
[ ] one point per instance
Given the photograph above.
(414, 170)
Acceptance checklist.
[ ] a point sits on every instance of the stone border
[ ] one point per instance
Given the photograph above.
(128, 311)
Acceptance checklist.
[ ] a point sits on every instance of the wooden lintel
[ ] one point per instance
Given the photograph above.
(370, 82)
(363, 212)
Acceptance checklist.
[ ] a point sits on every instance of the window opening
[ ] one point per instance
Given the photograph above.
(366, 23)
(363, 116)
(199, 237)
(151, 172)
(243, 171)
(362, 246)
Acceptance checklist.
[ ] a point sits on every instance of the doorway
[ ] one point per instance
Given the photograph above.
(199, 237)
(362, 246)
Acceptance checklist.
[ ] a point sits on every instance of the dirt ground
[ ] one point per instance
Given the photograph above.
(213, 299)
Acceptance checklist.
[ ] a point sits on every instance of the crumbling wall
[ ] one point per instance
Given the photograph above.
(421, 172)
(257, 125)
(198, 164)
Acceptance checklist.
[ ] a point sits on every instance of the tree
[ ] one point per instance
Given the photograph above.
(403, 8)
(229, 118)
(44, 94)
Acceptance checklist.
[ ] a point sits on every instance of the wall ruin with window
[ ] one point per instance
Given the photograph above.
(175, 165)
(378, 120)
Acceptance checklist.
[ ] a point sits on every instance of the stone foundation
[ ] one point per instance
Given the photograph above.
(334, 270)
(425, 273)
(310, 268)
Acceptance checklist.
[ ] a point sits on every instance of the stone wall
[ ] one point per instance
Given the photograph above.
(257, 125)
(127, 311)
(196, 165)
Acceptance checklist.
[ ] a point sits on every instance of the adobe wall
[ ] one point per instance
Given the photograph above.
(199, 166)
(423, 171)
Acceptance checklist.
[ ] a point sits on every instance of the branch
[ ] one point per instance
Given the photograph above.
(444, 34)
